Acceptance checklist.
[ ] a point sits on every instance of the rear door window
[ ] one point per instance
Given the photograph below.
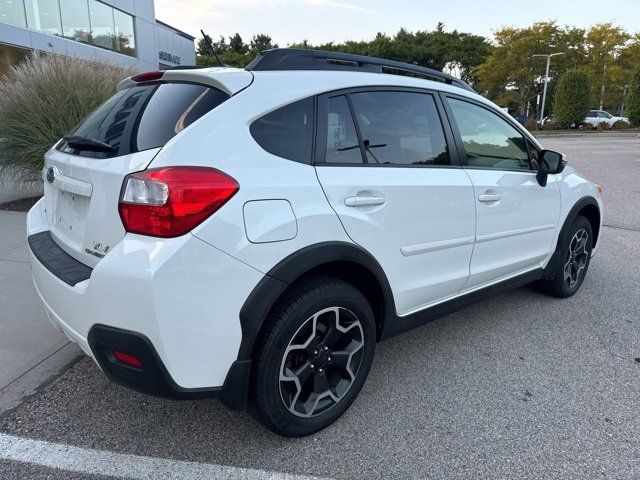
(342, 139)
(145, 116)
(400, 128)
(288, 131)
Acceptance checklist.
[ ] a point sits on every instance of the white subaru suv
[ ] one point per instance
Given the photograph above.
(251, 234)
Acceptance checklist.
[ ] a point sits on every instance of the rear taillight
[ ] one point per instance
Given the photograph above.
(171, 201)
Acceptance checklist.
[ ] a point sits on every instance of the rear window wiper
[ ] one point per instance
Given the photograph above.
(87, 144)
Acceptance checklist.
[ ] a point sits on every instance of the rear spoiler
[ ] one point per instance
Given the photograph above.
(229, 80)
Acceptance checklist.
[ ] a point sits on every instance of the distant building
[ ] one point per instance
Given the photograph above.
(124, 32)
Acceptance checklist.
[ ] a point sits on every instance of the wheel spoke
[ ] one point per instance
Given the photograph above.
(331, 336)
(340, 359)
(303, 373)
(567, 270)
(321, 384)
(582, 245)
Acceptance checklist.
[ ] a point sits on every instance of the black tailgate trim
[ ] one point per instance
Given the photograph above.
(56, 260)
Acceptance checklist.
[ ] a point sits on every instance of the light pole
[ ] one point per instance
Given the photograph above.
(546, 79)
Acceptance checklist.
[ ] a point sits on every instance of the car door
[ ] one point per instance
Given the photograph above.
(605, 117)
(516, 218)
(385, 163)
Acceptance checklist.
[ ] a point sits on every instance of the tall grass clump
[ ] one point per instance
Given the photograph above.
(42, 99)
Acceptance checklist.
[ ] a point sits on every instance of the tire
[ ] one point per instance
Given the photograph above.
(575, 265)
(303, 323)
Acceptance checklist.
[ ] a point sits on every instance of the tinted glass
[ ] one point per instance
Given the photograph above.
(342, 140)
(75, 20)
(102, 29)
(44, 15)
(125, 41)
(13, 12)
(489, 141)
(146, 116)
(287, 132)
(400, 128)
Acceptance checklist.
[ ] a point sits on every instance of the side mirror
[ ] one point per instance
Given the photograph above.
(549, 163)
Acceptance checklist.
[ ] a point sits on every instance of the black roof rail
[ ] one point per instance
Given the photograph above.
(303, 59)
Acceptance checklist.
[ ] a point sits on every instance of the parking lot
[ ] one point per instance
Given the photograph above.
(518, 386)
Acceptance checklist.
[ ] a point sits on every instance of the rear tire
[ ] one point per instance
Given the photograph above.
(313, 357)
(575, 256)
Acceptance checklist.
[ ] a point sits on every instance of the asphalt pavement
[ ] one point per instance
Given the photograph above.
(518, 386)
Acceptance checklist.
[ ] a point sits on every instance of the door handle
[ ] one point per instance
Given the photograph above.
(363, 201)
(489, 197)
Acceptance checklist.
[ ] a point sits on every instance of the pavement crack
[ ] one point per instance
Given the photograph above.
(621, 227)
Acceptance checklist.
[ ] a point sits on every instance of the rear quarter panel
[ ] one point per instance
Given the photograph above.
(222, 140)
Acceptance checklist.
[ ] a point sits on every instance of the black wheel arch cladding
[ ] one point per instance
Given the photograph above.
(300, 264)
(587, 207)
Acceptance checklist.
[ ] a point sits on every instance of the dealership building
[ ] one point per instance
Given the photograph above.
(122, 32)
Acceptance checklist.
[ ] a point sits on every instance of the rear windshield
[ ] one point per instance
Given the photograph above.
(145, 116)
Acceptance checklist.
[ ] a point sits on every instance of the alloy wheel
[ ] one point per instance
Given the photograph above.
(577, 258)
(321, 362)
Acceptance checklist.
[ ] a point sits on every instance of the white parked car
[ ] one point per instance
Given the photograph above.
(251, 234)
(596, 117)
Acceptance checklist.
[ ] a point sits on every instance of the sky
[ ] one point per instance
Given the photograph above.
(319, 21)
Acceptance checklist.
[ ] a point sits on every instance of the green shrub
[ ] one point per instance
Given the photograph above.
(620, 125)
(633, 100)
(571, 99)
(602, 126)
(531, 125)
(41, 100)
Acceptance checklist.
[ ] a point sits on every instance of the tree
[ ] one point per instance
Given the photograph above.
(510, 74)
(604, 45)
(457, 52)
(633, 100)
(261, 42)
(236, 45)
(571, 99)
(204, 48)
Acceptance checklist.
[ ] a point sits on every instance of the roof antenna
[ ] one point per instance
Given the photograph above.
(207, 39)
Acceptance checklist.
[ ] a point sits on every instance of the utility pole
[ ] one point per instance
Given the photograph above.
(624, 97)
(546, 79)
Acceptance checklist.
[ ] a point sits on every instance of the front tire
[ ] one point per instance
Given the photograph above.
(313, 358)
(575, 256)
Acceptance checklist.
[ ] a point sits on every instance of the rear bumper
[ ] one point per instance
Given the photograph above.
(181, 296)
(152, 376)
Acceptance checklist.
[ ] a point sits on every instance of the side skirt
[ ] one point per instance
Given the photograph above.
(397, 325)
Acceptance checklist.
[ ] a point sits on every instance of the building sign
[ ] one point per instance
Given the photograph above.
(169, 57)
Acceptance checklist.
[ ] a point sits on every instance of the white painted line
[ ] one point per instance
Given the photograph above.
(97, 462)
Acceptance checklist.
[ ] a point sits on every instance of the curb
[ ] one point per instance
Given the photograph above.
(41, 374)
(586, 135)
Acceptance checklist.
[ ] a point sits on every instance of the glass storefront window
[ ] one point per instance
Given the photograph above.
(12, 11)
(75, 20)
(125, 37)
(102, 29)
(86, 21)
(44, 15)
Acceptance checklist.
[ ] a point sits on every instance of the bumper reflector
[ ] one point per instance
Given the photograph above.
(127, 359)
